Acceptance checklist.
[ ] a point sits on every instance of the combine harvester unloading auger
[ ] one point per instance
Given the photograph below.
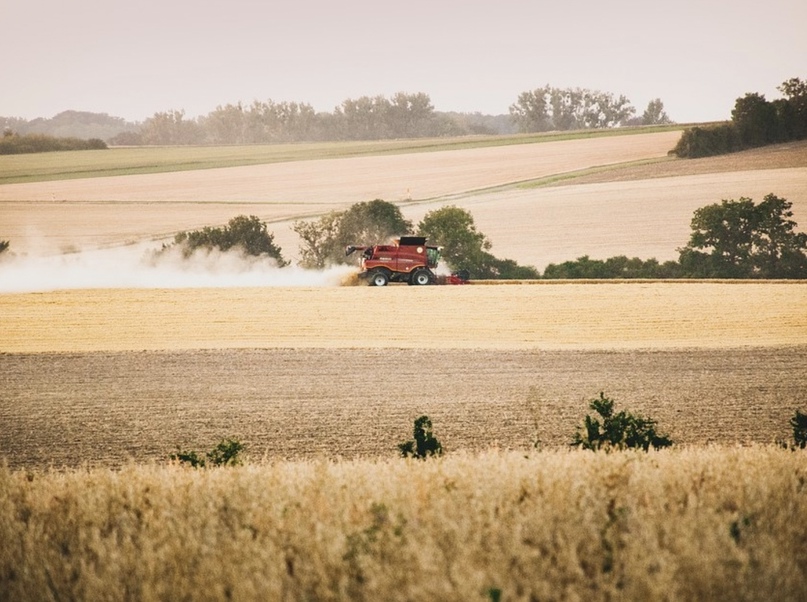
(411, 261)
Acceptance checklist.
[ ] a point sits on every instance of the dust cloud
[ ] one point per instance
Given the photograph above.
(138, 266)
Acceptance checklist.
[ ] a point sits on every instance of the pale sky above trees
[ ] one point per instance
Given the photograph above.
(132, 59)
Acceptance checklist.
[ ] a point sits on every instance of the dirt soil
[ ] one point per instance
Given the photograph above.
(108, 408)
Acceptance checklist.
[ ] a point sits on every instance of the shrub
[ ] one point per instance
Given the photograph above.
(424, 443)
(617, 431)
(246, 233)
(4, 245)
(226, 453)
(13, 144)
(799, 425)
(708, 141)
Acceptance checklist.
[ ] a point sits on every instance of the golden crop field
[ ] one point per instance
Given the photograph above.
(720, 524)
(111, 361)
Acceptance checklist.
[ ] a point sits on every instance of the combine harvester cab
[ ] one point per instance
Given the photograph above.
(411, 261)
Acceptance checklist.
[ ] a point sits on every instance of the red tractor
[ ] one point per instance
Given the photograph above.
(411, 260)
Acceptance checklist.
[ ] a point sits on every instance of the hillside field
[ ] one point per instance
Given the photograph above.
(524, 197)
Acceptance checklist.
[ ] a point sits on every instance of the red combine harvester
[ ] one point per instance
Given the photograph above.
(411, 260)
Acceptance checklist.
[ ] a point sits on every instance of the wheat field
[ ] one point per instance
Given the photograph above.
(550, 315)
(719, 523)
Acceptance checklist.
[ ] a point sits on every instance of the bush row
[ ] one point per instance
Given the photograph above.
(606, 430)
(12, 144)
(754, 122)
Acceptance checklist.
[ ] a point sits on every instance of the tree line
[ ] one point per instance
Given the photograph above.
(268, 122)
(755, 122)
(731, 239)
(559, 109)
(402, 115)
(14, 144)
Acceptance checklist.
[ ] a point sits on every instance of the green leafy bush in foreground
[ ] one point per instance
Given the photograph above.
(424, 443)
(799, 425)
(620, 430)
(226, 453)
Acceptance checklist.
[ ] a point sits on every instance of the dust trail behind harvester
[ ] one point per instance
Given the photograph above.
(139, 266)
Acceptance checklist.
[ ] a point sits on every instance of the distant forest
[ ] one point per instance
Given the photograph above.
(367, 118)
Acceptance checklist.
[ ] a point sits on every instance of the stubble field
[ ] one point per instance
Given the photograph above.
(102, 376)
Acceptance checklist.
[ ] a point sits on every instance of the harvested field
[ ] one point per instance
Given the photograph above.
(102, 376)
(105, 409)
(85, 212)
(645, 212)
(642, 218)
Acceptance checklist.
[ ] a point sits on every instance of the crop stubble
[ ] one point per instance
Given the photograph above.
(106, 408)
(102, 376)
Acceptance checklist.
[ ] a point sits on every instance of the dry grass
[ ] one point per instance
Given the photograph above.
(706, 524)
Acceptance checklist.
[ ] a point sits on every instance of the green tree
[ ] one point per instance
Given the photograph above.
(619, 266)
(323, 240)
(795, 108)
(318, 241)
(530, 112)
(170, 127)
(755, 120)
(453, 228)
(654, 114)
(424, 444)
(410, 115)
(249, 234)
(465, 248)
(551, 108)
(740, 239)
(707, 141)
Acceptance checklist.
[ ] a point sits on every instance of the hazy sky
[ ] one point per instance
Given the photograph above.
(133, 58)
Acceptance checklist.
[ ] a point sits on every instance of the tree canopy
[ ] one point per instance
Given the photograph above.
(741, 239)
(465, 248)
(730, 239)
(754, 122)
(323, 240)
(548, 108)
